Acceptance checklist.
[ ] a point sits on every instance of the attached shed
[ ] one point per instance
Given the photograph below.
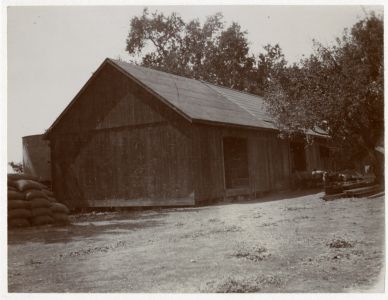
(134, 136)
(36, 157)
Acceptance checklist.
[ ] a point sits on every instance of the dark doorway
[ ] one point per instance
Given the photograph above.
(324, 153)
(298, 155)
(235, 162)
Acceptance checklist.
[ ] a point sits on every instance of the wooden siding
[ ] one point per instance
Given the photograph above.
(143, 165)
(131, 151)
(113, 100)
(268, 161)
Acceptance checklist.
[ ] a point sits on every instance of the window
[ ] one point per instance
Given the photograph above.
(235, 162)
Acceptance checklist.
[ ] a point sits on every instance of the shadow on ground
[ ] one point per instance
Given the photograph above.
(76, 231)
(283, 195)
(84, 225)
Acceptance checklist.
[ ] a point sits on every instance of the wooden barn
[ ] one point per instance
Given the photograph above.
(135, 136)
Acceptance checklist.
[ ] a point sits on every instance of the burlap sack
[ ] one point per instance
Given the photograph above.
(41, 220)
(48, 193)
(32, 194)
(25, 184)
(18, 223)
(13, 195)
(19, 213)
(14, 204)
(61, 218)
(18, 176)
(11, 183)
(59, 208)
(41, 211)
(52, 199)
(39, 202)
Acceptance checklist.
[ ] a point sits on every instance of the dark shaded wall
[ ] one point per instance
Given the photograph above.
(268, 162)
(318, 155)
(119, 146)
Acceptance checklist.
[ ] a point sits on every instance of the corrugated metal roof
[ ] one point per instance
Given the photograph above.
(203, 101)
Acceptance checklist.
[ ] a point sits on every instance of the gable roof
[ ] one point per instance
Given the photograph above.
(202, 101)
(194, 99)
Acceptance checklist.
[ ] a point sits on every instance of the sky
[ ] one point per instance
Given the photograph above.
(52, 51)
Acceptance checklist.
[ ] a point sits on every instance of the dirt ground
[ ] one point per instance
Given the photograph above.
(296, 243)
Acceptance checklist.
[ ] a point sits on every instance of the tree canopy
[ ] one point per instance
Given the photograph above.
(338, 88)
(206, 51)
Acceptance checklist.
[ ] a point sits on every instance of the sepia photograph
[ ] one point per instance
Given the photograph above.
(194, 149)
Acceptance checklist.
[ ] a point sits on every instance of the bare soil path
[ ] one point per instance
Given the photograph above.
(282, 243)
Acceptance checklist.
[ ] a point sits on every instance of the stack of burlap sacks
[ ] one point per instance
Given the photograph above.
(31, 203)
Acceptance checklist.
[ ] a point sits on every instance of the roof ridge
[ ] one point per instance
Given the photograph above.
(200, 80)
(150, 68)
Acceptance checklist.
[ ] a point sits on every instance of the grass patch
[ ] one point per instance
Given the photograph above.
(232, 228)
(256, 253)
(296, 208)
(339, 243)
(214, 220)
(206, 233)
(244, 284)
(269, 224)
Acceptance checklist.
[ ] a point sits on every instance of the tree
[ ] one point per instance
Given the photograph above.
(16, 167)
(230, 62)
(207, 52)
(269, 65)
(164, 34)
(339, 88)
